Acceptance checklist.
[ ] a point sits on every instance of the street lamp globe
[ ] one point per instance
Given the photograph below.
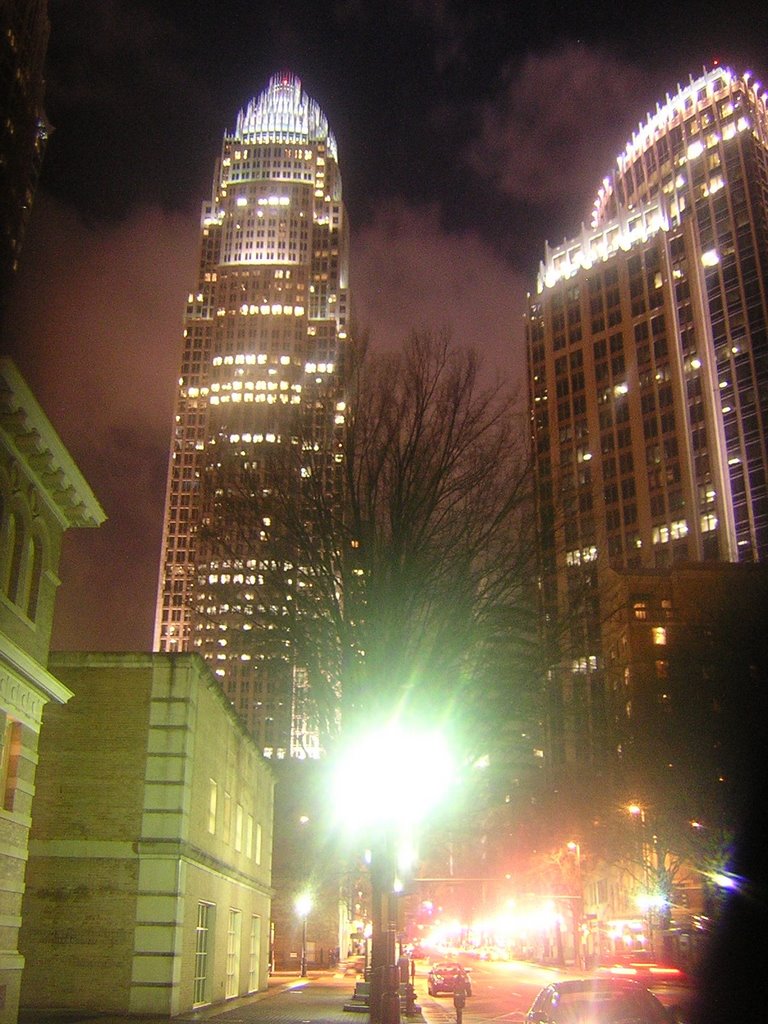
(374, 799)
(303, 904)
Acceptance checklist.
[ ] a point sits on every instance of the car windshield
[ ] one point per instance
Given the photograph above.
(607, 1008)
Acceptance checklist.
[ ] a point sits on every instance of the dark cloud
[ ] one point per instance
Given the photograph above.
(408, 271)
(100, 49)
(96, 316)
(109, 575)
(558, 125)
(95, 327)
(127, 87)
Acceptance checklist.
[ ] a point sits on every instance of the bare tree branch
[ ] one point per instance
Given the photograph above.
(396, 567)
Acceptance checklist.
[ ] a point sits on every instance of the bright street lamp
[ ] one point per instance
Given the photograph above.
(646, 900)
(575, 847)
(385, 808)
(303, 906)
(636, 811)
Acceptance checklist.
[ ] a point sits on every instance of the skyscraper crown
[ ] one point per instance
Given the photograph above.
(710, 96)
(284, 113)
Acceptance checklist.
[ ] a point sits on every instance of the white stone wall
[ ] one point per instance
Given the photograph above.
(150, 733)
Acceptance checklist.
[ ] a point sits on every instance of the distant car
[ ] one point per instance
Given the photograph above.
(598, 1001)
(448, 977)
(493, 953)
(641, 966)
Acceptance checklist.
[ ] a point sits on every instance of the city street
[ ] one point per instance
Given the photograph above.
(504, 990)
(501, 991)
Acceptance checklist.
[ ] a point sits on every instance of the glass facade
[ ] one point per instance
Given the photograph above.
(647, 346)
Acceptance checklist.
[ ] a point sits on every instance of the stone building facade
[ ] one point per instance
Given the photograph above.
(150, 855)
(42, 494)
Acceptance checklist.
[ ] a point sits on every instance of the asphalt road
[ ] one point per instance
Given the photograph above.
(503, 992)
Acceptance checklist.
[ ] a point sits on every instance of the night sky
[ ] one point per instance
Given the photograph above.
(469, 133)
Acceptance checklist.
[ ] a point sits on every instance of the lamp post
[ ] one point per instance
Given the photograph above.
(577, 906)
(303, 906)
(385, 812)
(638, 813)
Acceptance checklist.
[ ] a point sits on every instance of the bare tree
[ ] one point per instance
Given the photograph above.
(439, 529)
(396, 567)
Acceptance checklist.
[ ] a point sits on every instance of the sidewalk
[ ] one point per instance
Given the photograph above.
(289, 999)
(318, 998)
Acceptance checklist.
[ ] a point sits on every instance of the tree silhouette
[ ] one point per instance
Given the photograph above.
(393, 556)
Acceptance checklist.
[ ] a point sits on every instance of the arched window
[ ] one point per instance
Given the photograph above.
(35, 575)
(9, 553)
(20, 553)
(22, 560)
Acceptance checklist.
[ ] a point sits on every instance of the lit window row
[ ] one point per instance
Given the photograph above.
(226, 577)
(266, 201)
(255, 438)
(249, 396)
(249, 359)
(273, 309)
(581, 666)
(675, 531)
(579, 556)
(255, 385)
(582, 253)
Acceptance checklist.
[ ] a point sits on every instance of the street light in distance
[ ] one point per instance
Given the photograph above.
(303, 907)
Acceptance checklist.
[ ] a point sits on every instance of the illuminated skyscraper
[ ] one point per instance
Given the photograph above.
(648, 381)
(264, 334)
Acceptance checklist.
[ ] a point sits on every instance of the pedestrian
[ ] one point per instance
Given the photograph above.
(403, 964)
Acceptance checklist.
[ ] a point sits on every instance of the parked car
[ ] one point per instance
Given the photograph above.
(599, 1001)
(448, 976)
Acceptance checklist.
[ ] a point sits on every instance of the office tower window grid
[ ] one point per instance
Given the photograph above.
(264, 337)
(647, 343)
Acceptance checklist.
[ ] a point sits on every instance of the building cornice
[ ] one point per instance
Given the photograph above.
(35, 675)
(37, 446)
